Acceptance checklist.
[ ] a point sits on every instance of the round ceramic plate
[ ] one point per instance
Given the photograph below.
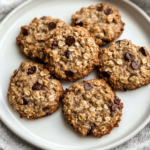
(52, 132)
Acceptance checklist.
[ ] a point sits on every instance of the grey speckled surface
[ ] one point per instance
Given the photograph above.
(9, 141)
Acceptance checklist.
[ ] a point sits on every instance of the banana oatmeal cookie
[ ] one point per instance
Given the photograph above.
(71, 53)
(102, 20)
(124, 65)
(92, 108)
(31, 39)
(33, 91)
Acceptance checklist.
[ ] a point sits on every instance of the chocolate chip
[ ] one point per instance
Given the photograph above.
(79, 24)
(125, 89)
(106, 74)
(100, 8)
(66, 90)
(108, 11)
(54, 45)
(116, 100)
(25, 32)
(48, 114)
(143, 51)
(128, 43)
(52, 25)
(91, 131)
(52, 77)
(46, 108)
(114, 107)
(70, 40)
(133, 74)
(119, 41)
(25, 101)
(67, 53)
(87, 86)
(37, 86)
(69, 73)
(128, 56)
(134, 65)
(43, 18)
(15, 73)
(31, 70)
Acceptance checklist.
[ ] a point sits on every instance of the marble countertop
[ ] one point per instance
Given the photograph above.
(9, 141)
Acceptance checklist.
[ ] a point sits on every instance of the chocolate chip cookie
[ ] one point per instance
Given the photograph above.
(102, 20)
(31, 39)
(92, 108)
(71, 53)
(33, 91)
(124, 65)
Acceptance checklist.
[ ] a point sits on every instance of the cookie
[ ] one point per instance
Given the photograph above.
(102, 20)
(33, 91)
(92, 108)
(124, 65)
(31, 39)
(71, 53)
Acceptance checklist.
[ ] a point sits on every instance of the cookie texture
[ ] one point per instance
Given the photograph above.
(31, 39)
(124, 65)
(102, 20)
(33, 91)
(71, 53)
(92, 108)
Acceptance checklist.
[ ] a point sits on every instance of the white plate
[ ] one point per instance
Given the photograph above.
(52, 132)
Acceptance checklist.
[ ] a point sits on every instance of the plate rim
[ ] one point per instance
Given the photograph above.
(40, 145)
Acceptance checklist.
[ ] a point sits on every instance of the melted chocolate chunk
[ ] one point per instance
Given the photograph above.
(128, 56)
(106, 74)
(70, 40)
(100, 8)
(134, 65)
(67, 53)
(52, 77)
(52, 25)
(31, 70)
(116, 100)
(37, 86)
(46, 108)
(87, 86)
(25, 101)
(25, 32)
(79, 24)
(91, 131)
(143, 51)
(69, 73)
(108, 11)
(54, 45)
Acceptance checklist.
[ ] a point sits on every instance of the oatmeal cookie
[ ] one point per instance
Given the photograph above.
(102, 20)
(92, 108)
(71, 53)
(33, 91)
(124, 65)
(31, 39)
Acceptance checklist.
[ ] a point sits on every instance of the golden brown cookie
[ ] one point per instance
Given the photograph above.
(33, 91)
(92, 108)
(102, 20)
(124, 65)
(71, 53)
(31, 39)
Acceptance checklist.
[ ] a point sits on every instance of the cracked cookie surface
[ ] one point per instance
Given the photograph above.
(31, 39)
(33, 91)
(92, 108)
(124, 65)
(103, 21)
(71, 53)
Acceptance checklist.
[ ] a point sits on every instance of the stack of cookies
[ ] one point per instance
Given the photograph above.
(71, 53)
